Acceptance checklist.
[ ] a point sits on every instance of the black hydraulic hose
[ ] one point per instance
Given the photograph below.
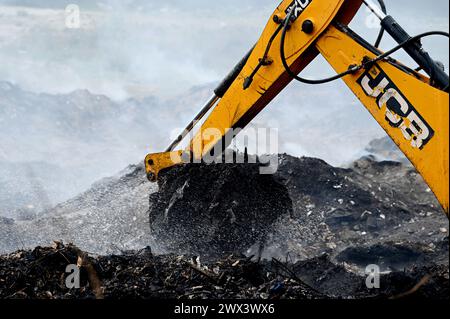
(412, 39)
(232, 76)
(407, 42)
(354, 68)
(248, 81)
(288, 69)
(382, 30)
(415, 50)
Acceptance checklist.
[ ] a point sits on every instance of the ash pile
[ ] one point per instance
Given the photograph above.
(215, 209)
(306, 209)
(315, 227)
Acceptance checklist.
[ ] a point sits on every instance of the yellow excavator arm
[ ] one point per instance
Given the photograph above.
(411, 107)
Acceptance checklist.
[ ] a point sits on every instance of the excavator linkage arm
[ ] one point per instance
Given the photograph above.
(414, 113)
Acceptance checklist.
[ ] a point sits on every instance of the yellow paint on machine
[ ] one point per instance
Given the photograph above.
(412, 112)
(238, 106)
(430, 106)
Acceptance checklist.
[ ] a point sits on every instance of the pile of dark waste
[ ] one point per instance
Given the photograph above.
(140, 274)
(305, 209)
(331, 224)
(216, 209)
(317, 229)
(41, 273)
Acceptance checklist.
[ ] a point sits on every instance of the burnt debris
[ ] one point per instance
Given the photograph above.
(41, 273)
(305, 209)
(318, 228)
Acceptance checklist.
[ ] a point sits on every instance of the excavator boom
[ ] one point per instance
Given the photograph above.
(411, 107)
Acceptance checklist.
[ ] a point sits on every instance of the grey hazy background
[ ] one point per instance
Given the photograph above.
(140, 47)
(77, 105)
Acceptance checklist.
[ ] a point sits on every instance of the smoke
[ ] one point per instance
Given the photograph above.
(122, 48)
(139, 48)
